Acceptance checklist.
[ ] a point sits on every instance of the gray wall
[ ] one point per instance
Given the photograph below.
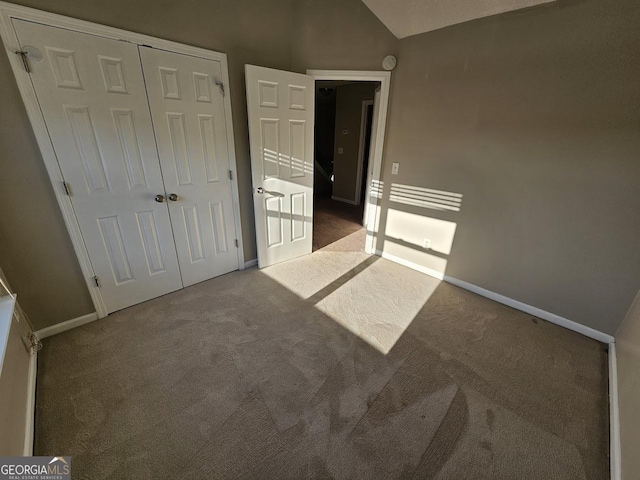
(338, 35)
(534, 118)
(349, 100)
(35, 249)
(628, 360)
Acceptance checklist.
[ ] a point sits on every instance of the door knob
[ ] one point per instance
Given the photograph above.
(259, 190)
(173, 197)
(159, 198)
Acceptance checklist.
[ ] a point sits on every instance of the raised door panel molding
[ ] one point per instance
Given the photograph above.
(64, 67)
(113, 74)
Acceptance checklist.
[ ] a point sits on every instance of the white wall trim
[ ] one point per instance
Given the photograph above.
(251, 263)
(29, 429)
(67, 325)
(364, 125)
(414, 266)
(523, 307)
(543, 314)
(11, 43)
(371, 201)
(615, 452)
(344, 200)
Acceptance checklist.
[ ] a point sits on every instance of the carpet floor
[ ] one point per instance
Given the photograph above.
(334, 365)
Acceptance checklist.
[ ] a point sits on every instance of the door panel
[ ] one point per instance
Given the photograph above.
(280, 108)
(92, 95)
(189, 120)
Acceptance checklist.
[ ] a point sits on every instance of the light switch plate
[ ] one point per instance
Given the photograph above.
(340, 150)
(394, 168)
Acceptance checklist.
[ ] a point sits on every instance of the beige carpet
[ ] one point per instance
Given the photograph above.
(335, 365)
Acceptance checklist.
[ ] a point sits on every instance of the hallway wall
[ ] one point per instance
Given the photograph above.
(349, 100)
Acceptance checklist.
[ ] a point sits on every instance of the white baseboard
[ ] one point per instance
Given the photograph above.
(251, 263)
(29, 428)
(414, 266)
(68, 325)
(535, 311)
(340, 199)
(615, 453)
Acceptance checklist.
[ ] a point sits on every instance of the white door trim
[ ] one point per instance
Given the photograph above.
(66, 325)
(363, 136)
(10, 11)
(30, 417)
(371, 202)
(615, 449)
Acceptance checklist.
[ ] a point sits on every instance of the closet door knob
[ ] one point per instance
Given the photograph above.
(173, 197)
(159, 198)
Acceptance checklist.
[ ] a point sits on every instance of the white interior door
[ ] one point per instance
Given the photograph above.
(92, 95)
(189, 120)
(280, 107)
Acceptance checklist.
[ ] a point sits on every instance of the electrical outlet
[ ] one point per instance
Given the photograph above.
(426, 243)
(340, 150)
(394, 168)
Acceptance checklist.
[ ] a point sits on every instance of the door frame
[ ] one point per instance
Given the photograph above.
(8, 12)
(363, 135)
(384, 77)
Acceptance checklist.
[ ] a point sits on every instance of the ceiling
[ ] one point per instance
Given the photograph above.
(411, 17)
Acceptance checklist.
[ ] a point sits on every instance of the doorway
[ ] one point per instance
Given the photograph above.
(342, 144)
(280, 110)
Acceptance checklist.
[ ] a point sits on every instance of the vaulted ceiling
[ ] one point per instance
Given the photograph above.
(411, 17)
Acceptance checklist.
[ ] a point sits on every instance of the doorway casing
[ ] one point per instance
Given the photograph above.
(377, 139)
(364, 126)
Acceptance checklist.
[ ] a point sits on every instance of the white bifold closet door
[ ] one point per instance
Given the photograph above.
(140, 137)
(92, 95)
(189, 121)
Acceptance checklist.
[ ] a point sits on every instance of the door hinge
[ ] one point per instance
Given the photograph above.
(230, 174)
(220, 85)
(237, 243)
(97, 281)
(25, 62)
(35, 343)
(67, 188)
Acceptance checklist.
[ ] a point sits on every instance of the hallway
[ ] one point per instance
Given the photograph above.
(333, 220)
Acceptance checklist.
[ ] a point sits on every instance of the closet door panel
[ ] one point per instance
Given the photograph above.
(92, 94)
(189, 121)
